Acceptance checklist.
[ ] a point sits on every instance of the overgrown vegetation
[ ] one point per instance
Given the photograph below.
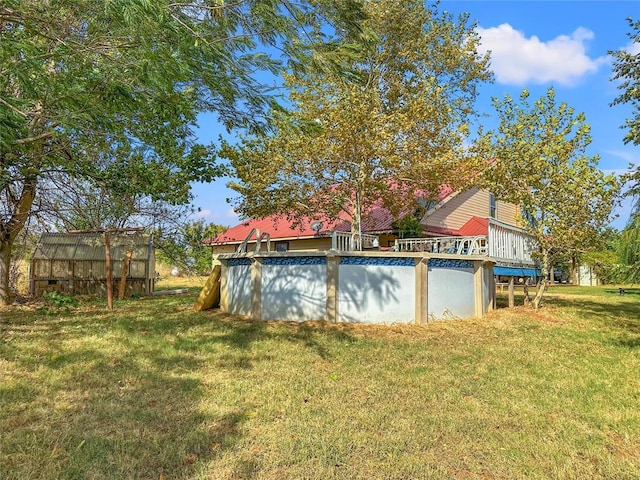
(157, 391)
(184, 247)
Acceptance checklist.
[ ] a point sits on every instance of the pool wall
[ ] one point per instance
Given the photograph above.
(356, 287)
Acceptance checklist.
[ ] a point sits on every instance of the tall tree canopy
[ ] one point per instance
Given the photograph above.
(541, 164)
(626, 68)
(629, 249)
(111, 90)
(392, 132)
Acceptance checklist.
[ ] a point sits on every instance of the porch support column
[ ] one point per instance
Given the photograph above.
(478, 280)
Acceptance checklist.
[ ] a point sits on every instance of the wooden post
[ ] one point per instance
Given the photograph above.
(333, 267)
(421, 293)
(107, 257)
(478, 287)
(512, 301)
(125, 272)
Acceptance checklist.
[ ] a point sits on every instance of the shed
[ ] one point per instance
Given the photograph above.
(74, 263)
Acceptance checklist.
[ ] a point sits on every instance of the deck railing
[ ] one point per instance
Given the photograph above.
(476, 245)
(350, 242)
(510, 245)
(505, 243)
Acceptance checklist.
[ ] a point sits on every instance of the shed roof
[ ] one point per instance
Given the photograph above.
(90, 246)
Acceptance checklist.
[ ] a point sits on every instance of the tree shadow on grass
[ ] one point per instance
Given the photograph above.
(91, 394)
(74, 411)
(620, 313)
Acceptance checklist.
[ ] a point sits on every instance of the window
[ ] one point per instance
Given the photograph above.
(281, 246)
(493, 207)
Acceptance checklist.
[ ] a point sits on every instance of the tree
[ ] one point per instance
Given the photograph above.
(184, 247)
(390, 134)
(629, 249)
(626, 67)
(111, 90)
(541, 165)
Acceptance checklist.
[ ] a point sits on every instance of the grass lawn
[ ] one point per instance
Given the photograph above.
(156, 391)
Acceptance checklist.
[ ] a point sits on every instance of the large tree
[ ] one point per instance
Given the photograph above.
(393, 132)
(626, 68)
(111, 90)
(629, 249)
(541, 164)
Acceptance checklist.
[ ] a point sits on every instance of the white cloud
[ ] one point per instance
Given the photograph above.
(204, 213)
(632, 48)
(517, 60)
(629, 156)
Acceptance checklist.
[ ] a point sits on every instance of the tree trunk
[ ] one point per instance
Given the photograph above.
(9, 231)
(6, 295)
(542, 285)
(512, 301)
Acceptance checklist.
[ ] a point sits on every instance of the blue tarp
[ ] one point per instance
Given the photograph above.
(516, 271)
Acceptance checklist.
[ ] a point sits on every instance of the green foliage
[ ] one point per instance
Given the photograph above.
(110, 91)
(184, 248)
(626, 69)
(409, 226)
(58, 303)
(629, 251)
(542, 166)
(393, 132)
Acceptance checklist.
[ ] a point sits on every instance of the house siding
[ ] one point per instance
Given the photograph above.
(508, 213)
(295, 245)
(457, 211)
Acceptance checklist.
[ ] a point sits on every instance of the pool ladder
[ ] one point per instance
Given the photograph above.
(260, 237)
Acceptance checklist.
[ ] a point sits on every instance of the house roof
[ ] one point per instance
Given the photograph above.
(280, 227)
(475, 226)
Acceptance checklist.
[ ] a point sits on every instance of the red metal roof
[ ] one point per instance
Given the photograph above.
(279, 227)
(475, 226)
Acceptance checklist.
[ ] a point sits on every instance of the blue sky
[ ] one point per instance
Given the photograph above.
(534, 45)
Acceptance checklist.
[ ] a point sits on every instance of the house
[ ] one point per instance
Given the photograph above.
(472, 221)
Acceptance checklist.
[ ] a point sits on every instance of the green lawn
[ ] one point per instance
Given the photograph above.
(156, 391)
